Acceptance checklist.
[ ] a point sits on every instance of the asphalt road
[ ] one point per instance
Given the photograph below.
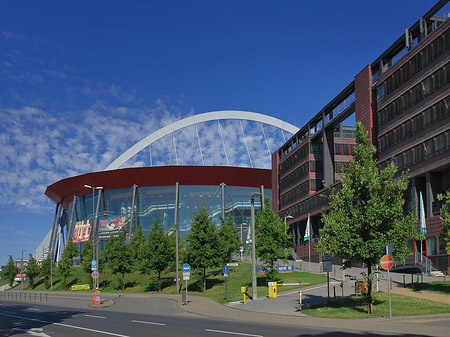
(32, 319)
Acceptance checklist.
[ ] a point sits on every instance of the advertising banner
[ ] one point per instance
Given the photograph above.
(112, 225)
(81, 231)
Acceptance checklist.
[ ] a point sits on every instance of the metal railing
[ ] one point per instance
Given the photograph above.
(23, 296)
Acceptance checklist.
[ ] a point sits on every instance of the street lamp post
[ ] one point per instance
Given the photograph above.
(94, 237)
(21, 270)
(252, 213)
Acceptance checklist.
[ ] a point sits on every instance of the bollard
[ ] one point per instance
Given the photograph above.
(334, 290)
(404, 283)
(244, 290)
(300, 299)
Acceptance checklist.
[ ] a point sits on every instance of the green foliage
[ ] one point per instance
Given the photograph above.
(138, 245)
(444, 235)
(86, 256)
(66, 263)
(366, 212)
(159, 252)
(271, 239)
(46, 270)
(228, 240)
(202, 245)
(10, 271)
(120, 257)
(33, 271)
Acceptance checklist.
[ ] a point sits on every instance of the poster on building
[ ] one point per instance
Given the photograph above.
(111, 225)
(81, 231)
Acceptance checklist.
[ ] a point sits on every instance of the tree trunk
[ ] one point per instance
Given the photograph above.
(204, 279)
(369, 288)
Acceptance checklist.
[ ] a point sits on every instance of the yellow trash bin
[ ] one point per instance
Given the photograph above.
(272, 290)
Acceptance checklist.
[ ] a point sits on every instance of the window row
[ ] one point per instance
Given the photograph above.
(418, 123)
(294, 160)
(296, 175)
(297, 192)
(437, 47)
(305, 206)
(422, 151)
(416, 94)
(344, 149)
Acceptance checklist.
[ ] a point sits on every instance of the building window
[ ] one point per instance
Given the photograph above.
(431, 246)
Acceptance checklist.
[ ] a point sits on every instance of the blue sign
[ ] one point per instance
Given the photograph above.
(94, 264)
(225, 270)
(286, 269)
(186, 267)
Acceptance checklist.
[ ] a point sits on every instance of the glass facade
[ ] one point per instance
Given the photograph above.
(151, 203)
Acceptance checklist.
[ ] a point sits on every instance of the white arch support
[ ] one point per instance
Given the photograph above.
(197, 119)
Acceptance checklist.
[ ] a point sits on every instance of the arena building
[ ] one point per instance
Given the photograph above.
(121, 199)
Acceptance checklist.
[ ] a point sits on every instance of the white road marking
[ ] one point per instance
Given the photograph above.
(33, 332)
(233, 333)
(66, 325)
(34, 309)
(144, 322)
(93, 316)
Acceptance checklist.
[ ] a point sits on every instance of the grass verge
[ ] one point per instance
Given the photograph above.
(136, 282)
(356, 308)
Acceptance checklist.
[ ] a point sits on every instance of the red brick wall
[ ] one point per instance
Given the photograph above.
(275, 182)
(363, 100)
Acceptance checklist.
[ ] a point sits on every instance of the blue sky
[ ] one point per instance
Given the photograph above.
(81, 81)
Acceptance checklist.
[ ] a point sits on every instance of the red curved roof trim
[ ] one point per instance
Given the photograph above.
(159, 176)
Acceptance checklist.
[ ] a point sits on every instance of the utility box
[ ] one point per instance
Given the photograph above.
(272, 290)
(97, 299)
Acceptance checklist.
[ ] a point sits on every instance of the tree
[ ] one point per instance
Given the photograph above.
(66, 263)
(444, 235)
(138, 246)
(366, 212)
(46, 271)
(272, 238)
(159, 253)
(33, 271)
(86, 256)
(11, 271)
(120, 257)
(228, 240)
(202, 245)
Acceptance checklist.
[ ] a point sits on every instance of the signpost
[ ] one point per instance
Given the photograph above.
(225, 273)
(186, 277)
(387, 262)
(327, 266)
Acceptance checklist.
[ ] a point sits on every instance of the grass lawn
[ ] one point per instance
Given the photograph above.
(436, 286)
(356, 308)
(136, 282)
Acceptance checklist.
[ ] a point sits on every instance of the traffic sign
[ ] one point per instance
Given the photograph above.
(387, 262)
(94, 275)
(94, 264)
(186, 276)
(186, 267)
(226, 271)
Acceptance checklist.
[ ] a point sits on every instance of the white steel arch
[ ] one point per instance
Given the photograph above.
(196, 119)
